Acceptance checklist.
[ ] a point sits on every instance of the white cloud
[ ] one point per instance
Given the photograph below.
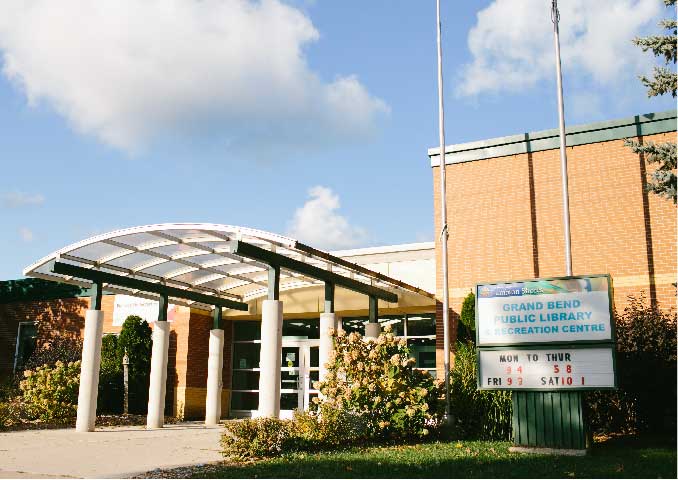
(319, 224)
(18, 199)
(512, 43)
(26, 234)
(129, 72)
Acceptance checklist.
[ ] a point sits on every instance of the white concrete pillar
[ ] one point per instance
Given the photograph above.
(327, 321)
(270, 358)
(372, 330)
(89, 371)
(158, 382)
(215, 364)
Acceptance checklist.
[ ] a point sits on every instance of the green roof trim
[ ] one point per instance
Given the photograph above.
(647, 124)
(36, 289)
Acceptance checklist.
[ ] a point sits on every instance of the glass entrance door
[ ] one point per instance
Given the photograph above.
(299, 369)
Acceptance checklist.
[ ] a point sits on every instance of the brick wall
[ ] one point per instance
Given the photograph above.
(60, 317)
(187, 356)
(192, 357)
(505, 221)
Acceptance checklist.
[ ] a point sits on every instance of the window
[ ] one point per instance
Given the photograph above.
(418, 329)
(246, 355)
(25, 343)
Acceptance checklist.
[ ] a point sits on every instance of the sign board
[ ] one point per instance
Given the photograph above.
(570, 309)
(126, 305)
(559, 368)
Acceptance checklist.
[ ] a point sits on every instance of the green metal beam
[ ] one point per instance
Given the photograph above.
(217, 316)
(329, 297)
(248, 250)
(97, 276)
(273, 282)
(163, 305)
(374, 310)
(95, 296)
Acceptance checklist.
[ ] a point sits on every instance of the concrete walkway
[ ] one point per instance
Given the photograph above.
(110, 452)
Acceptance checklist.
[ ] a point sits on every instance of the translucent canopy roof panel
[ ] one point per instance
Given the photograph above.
(198, 257)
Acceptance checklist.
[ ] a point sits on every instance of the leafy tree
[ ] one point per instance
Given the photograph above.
(135, 339)
(663, 80)
(466, 331)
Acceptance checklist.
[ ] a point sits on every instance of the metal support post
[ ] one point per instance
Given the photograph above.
(125, 379)
(215, 365)
(555, 18)
(443, 220)
(158, 379)
(328, 321)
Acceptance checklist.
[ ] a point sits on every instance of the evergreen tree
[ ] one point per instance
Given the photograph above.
(662, 181)
(135, 338)
(467, 320)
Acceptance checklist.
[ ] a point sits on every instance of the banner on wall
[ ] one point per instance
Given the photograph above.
(126, 305)
(569, 309)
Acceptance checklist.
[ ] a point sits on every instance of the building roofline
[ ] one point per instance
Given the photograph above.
(405, 247)
(646, 124)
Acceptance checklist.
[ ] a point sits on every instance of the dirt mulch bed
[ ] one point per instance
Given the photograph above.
(102, 421)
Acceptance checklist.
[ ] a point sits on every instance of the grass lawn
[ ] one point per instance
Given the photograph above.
(610, 459)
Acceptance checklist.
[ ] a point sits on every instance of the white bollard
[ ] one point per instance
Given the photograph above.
(215, 363)
(89, 371)
(270, 358)
(157, 385)
(327, 321)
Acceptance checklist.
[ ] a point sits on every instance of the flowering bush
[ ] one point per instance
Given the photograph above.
(305, 432)
(375, 381)
(256, 437)
(51, 392)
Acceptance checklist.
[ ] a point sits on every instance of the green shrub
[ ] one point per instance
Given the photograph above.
(480, 414)
(646, 369)
(12, 412)
(111, 389)
(466, 329)
(256, 437)
(327, 427)
(305, 432)
(9, 388)
(375, 383)
(51, 392)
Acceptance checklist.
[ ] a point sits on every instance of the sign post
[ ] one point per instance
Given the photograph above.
(546, 340)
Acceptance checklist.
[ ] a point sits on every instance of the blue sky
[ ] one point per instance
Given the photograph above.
(307, 118)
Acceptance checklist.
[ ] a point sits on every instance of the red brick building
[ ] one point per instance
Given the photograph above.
(505, 214)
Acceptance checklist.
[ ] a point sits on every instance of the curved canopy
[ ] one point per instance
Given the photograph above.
(198, 257)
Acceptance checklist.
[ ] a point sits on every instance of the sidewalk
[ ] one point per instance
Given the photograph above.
(110, 452)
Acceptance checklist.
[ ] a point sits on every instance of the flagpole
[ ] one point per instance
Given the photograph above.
(555, 18)
(443, 223)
